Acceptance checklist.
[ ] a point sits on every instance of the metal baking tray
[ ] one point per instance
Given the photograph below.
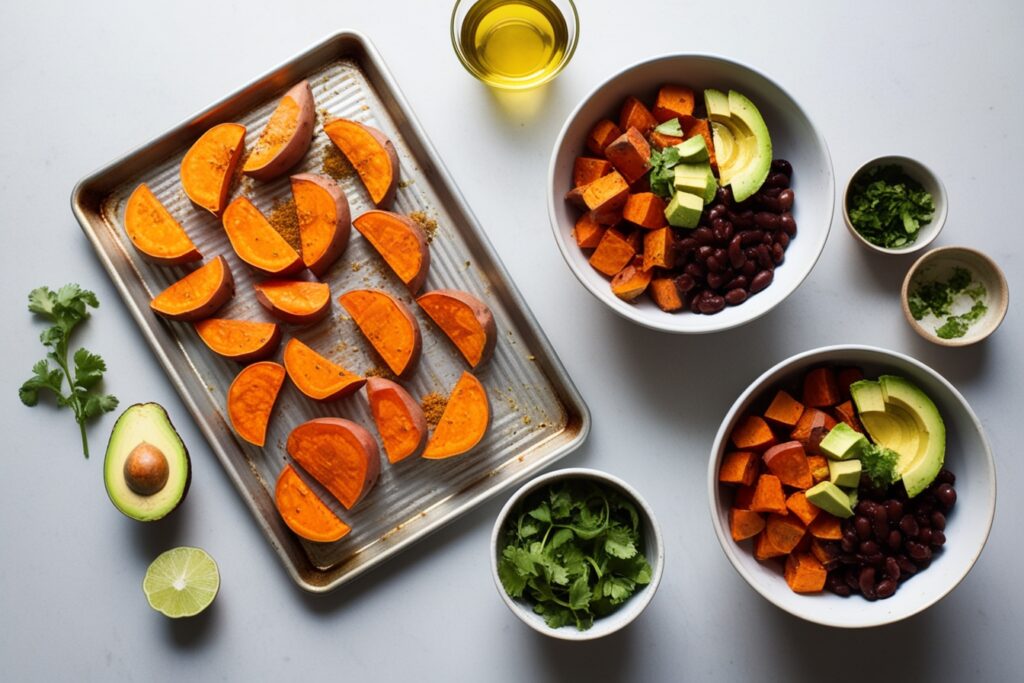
(538, 415)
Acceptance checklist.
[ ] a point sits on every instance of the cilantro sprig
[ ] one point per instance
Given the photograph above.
(65, 308)
(879, 464)
(575, 549)
(888, 208)
(662, 176)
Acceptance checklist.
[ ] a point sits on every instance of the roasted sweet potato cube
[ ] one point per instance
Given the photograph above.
(812, 422)
(821, 389)
(613, 253)
(744, 524)
(601, 135)
(588, 232)
(629, 154)
(701, 127)
(788, 462)
(804, 573)
(635, 115)
(661, 141)
(739, 467)
(673, 102)
(763, 548)
(768, 495)
(753, 433)
(606, 196)
(665, 294)
(587, 169)
(818, 465)
(802, 508)
(784, 531)
(784, 411)
(744, 497)
(826, 526)
(659, 249)
(645, 209)
(824, 553)
(845, 412)
(631, 281)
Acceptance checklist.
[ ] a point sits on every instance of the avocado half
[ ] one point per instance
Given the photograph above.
(146, 469)
(743, 147)
(899, 416)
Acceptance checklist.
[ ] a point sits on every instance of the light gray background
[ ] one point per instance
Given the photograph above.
(84, 82)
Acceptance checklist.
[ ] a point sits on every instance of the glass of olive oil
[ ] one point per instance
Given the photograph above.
(514, 44)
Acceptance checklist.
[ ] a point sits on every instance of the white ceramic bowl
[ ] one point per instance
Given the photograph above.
(928, 180)
(631, 608)
(968, 456)
(794, 138)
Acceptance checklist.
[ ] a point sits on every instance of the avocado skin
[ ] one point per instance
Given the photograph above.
(113, 465)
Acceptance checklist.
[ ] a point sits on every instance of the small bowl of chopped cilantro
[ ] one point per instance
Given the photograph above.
(576, 554)
(955, 296)
(894, 205)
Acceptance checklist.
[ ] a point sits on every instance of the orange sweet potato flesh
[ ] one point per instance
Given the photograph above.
(295, 301)
(465, 320)
(811, 420)
(286, 137)
(645, 209)
(673, 102)
(601, 135)
(251, 399)
(401, 242)
(372, 155)
(632, 281)
(763, 548)
(303, 512)
(629, 154)
(589, 169)
(317, 377)
(464, 421)
(154, 232)
(784, 531)
(339, 454)
(665, 294)
(325, 222)
(739, 467)
(659, 249)
(635, 115)
(804, 510)
(239, 340)
(768, 495)
(804, 573)
(744, 497)
(695, 127)
(819, 467)
(788, 462)
(661, 141)
(209, 165)
(198, 295)
(613, 253)
(826, 526)
(256, 241)
(744, 524)
(845, 412)
(606, 196)
(399, 418)
(752, 433)
(588, 232)
(784, 411)
(387, 324)
(821, 389)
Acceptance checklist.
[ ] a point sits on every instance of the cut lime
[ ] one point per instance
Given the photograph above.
(181, 582)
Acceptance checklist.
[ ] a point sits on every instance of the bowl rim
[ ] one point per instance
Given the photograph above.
(655, 549)
(563, 245)
(1003, 296)
(941, 202)
(731, 549)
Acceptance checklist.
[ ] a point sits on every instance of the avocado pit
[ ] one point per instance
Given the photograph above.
(146, 469)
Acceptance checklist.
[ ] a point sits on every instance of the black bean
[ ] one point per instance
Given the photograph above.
(862, 525)
(744, 219)
(724, 195)
(778, 254)
(712, 304)
(717, 211)
(777, 180)
(749, 237)
(687, 246)
(909, 527)
(925, 536)
(696, 271)
(715, 280)
(892, 568)
(736, 256)
(782, 238)
(866, 583)
(685, 282)
(938, 520)
(918, 552)
(894, 508)
(749, 269)
(945, 477)
(764, 257)
(761, 280)
(907, 568)
(848, 544)
(868, 547)
(895, 540)
(766, 220)
(738, 282)
(782, 166)
(703, 236)
(938, 539)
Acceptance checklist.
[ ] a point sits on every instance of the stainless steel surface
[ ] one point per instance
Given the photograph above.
(537, 414)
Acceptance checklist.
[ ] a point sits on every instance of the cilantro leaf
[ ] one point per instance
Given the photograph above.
(887, 207)
(579, 594)
(89, 369)
(879, 464)
(43, 378)
(619, 542)
(662, 176)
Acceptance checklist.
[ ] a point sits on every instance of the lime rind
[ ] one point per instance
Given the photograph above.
(181, 582)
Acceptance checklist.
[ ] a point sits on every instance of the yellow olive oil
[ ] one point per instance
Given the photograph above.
(514, 43)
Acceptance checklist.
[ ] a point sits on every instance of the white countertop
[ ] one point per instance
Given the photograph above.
(85, 82)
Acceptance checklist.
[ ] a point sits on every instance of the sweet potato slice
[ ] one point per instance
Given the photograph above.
(632, 281)
(821, 390)
(286, 137)
(645, 209)
(209, 165)
(818, 465)
(199, 294)
(753, 434)
(399, 418)
(635, 115)
(251, 399)
(744, 524)
(371, 153)
(317, 377)
(601, 135)
(739, 467)
(665, 294)
(588, 232)
(256, 241)
(154, 232)
(339, 454)
(464, 421)
(612, 254)
(401, 242)
(324, 220)
(239, 340)
(784, 411)
(788, 462)
(304, 512)
(673, 102)
(387, 324)
(629, 154)
(465, 320)
(804, 573)
(588, 169)
(295, 301)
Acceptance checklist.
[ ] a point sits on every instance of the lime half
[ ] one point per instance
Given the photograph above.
(181, 582)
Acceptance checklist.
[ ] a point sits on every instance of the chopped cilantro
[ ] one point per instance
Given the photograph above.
(957, 325)
(879, 464)
(937, 298)
(662, 176)
(887, 207)
(575, 550)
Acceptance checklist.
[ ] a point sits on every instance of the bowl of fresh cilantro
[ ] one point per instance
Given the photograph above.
(576, 554)
(894, 205)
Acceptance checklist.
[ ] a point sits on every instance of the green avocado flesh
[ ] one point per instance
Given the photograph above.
(743, 147)
(899, 416)
(146, 423)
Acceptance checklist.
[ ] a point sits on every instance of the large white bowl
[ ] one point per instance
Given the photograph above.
(794, 138)
(968, 456)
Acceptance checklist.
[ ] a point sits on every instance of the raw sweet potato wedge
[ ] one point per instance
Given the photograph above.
(399, 418)
(465, 320)
(371, 154)
(464, 421)
(154, 232)
(256, 241)
(401, 242)
(285, 138)
(303, 512)
(209, 165)
(324, 220)
(251, 399)
(339, 454)
(199, 294)
(239, 340)
(298, 302)
(388, 325)
(317, 377)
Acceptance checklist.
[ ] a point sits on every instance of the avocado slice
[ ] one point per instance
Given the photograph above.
(146, 469)
(684, 210)
(743, 147)
(830, 498)
(899, 416)
(693, 150)
(843, 442)
(844, 473)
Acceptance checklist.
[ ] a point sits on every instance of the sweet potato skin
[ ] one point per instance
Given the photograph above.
(256, 241)
(315, 376)
(251, 399)
(366, 306)
(324, 237)
(240, 340)
(411, 422)
(402, 244)
(464, 422)
(303, 512)
(375, 162)
(154, 232)
(205, 290)
(279, 297)
(632, 281)
(466, 321)
(220, 149)
(338, 453)
(629, 154)
(269, 164)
